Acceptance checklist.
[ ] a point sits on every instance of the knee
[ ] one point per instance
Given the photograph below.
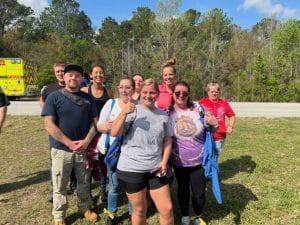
(167, 210)
(139, 211)
(199, 196)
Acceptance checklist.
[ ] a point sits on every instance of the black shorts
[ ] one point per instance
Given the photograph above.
(132, 182)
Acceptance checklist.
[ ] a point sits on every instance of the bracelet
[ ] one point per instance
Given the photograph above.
(216, 126)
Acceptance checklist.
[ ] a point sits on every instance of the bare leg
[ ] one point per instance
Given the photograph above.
(138, 201)
(162, 199)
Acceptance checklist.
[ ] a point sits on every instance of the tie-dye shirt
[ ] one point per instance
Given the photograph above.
(188, 139)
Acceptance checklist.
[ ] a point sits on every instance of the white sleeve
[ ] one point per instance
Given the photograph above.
(105, 112)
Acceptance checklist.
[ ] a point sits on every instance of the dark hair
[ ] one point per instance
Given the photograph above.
(86, 75)
(190, 104)
(131, 81)
(96, 65)
(170, 63)
(73, 67)
(138, 74)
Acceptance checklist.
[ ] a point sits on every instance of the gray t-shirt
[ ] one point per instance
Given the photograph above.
(143, 145)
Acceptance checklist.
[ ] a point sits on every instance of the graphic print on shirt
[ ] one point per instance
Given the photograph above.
(220, 113)
(186, 127)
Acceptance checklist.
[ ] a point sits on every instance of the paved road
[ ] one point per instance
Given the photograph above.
(242, 109)
(270, 110)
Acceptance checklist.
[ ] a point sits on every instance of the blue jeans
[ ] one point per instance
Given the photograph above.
(219, 145)
(114, 192)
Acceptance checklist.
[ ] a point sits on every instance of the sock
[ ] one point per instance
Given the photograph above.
(185, 219)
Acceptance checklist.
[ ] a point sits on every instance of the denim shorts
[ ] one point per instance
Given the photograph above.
(132, 182)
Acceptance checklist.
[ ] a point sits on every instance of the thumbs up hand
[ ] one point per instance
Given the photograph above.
(130, 106)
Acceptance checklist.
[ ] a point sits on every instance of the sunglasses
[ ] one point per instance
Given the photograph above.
(182, 93)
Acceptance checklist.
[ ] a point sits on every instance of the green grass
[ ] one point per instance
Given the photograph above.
(259, 172)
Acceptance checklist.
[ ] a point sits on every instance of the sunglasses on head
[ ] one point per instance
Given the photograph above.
(183, 93)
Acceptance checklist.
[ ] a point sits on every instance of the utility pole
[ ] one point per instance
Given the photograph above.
(122, 71)
(133, 60)
(128, 58)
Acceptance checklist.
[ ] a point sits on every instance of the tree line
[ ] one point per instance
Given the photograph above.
(259, 64)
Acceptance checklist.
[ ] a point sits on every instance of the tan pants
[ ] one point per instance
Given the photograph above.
(62, 164)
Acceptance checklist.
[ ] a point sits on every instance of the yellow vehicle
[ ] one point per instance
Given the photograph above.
(18, 78)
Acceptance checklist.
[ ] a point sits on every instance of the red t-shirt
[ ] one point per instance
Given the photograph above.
(164, 98)
(220, 109)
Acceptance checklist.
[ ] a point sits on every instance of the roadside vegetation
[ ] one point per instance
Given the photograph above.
(259, 173)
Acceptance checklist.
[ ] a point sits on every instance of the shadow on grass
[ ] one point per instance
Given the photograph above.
(231, 167)
(70, 219)
(235, 196)
(27, 180)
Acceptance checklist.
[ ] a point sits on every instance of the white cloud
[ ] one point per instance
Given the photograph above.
(268, 8)
(37, 5)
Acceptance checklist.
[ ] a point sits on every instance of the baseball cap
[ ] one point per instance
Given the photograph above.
(73, 67)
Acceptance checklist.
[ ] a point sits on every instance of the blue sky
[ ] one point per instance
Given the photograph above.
(245, 13)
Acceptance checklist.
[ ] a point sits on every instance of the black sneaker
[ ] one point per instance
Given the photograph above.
(111, 221)
(72, 191)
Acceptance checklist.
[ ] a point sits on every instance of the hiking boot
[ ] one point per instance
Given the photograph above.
(110, 221)
(199, 221)
(90, 216)
(59, 222)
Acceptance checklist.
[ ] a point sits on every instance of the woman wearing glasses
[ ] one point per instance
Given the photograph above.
(187, 151)
(109, 113)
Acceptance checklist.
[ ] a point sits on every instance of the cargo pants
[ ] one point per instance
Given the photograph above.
(62, 164)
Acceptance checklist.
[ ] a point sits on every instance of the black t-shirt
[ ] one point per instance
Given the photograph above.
(49, 89)
(99, 101)
(3, 99)
(73, 120)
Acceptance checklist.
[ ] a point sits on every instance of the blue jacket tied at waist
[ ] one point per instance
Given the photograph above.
(210, 164)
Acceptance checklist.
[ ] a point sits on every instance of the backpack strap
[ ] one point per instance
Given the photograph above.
(74, 98)
(108, 135)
